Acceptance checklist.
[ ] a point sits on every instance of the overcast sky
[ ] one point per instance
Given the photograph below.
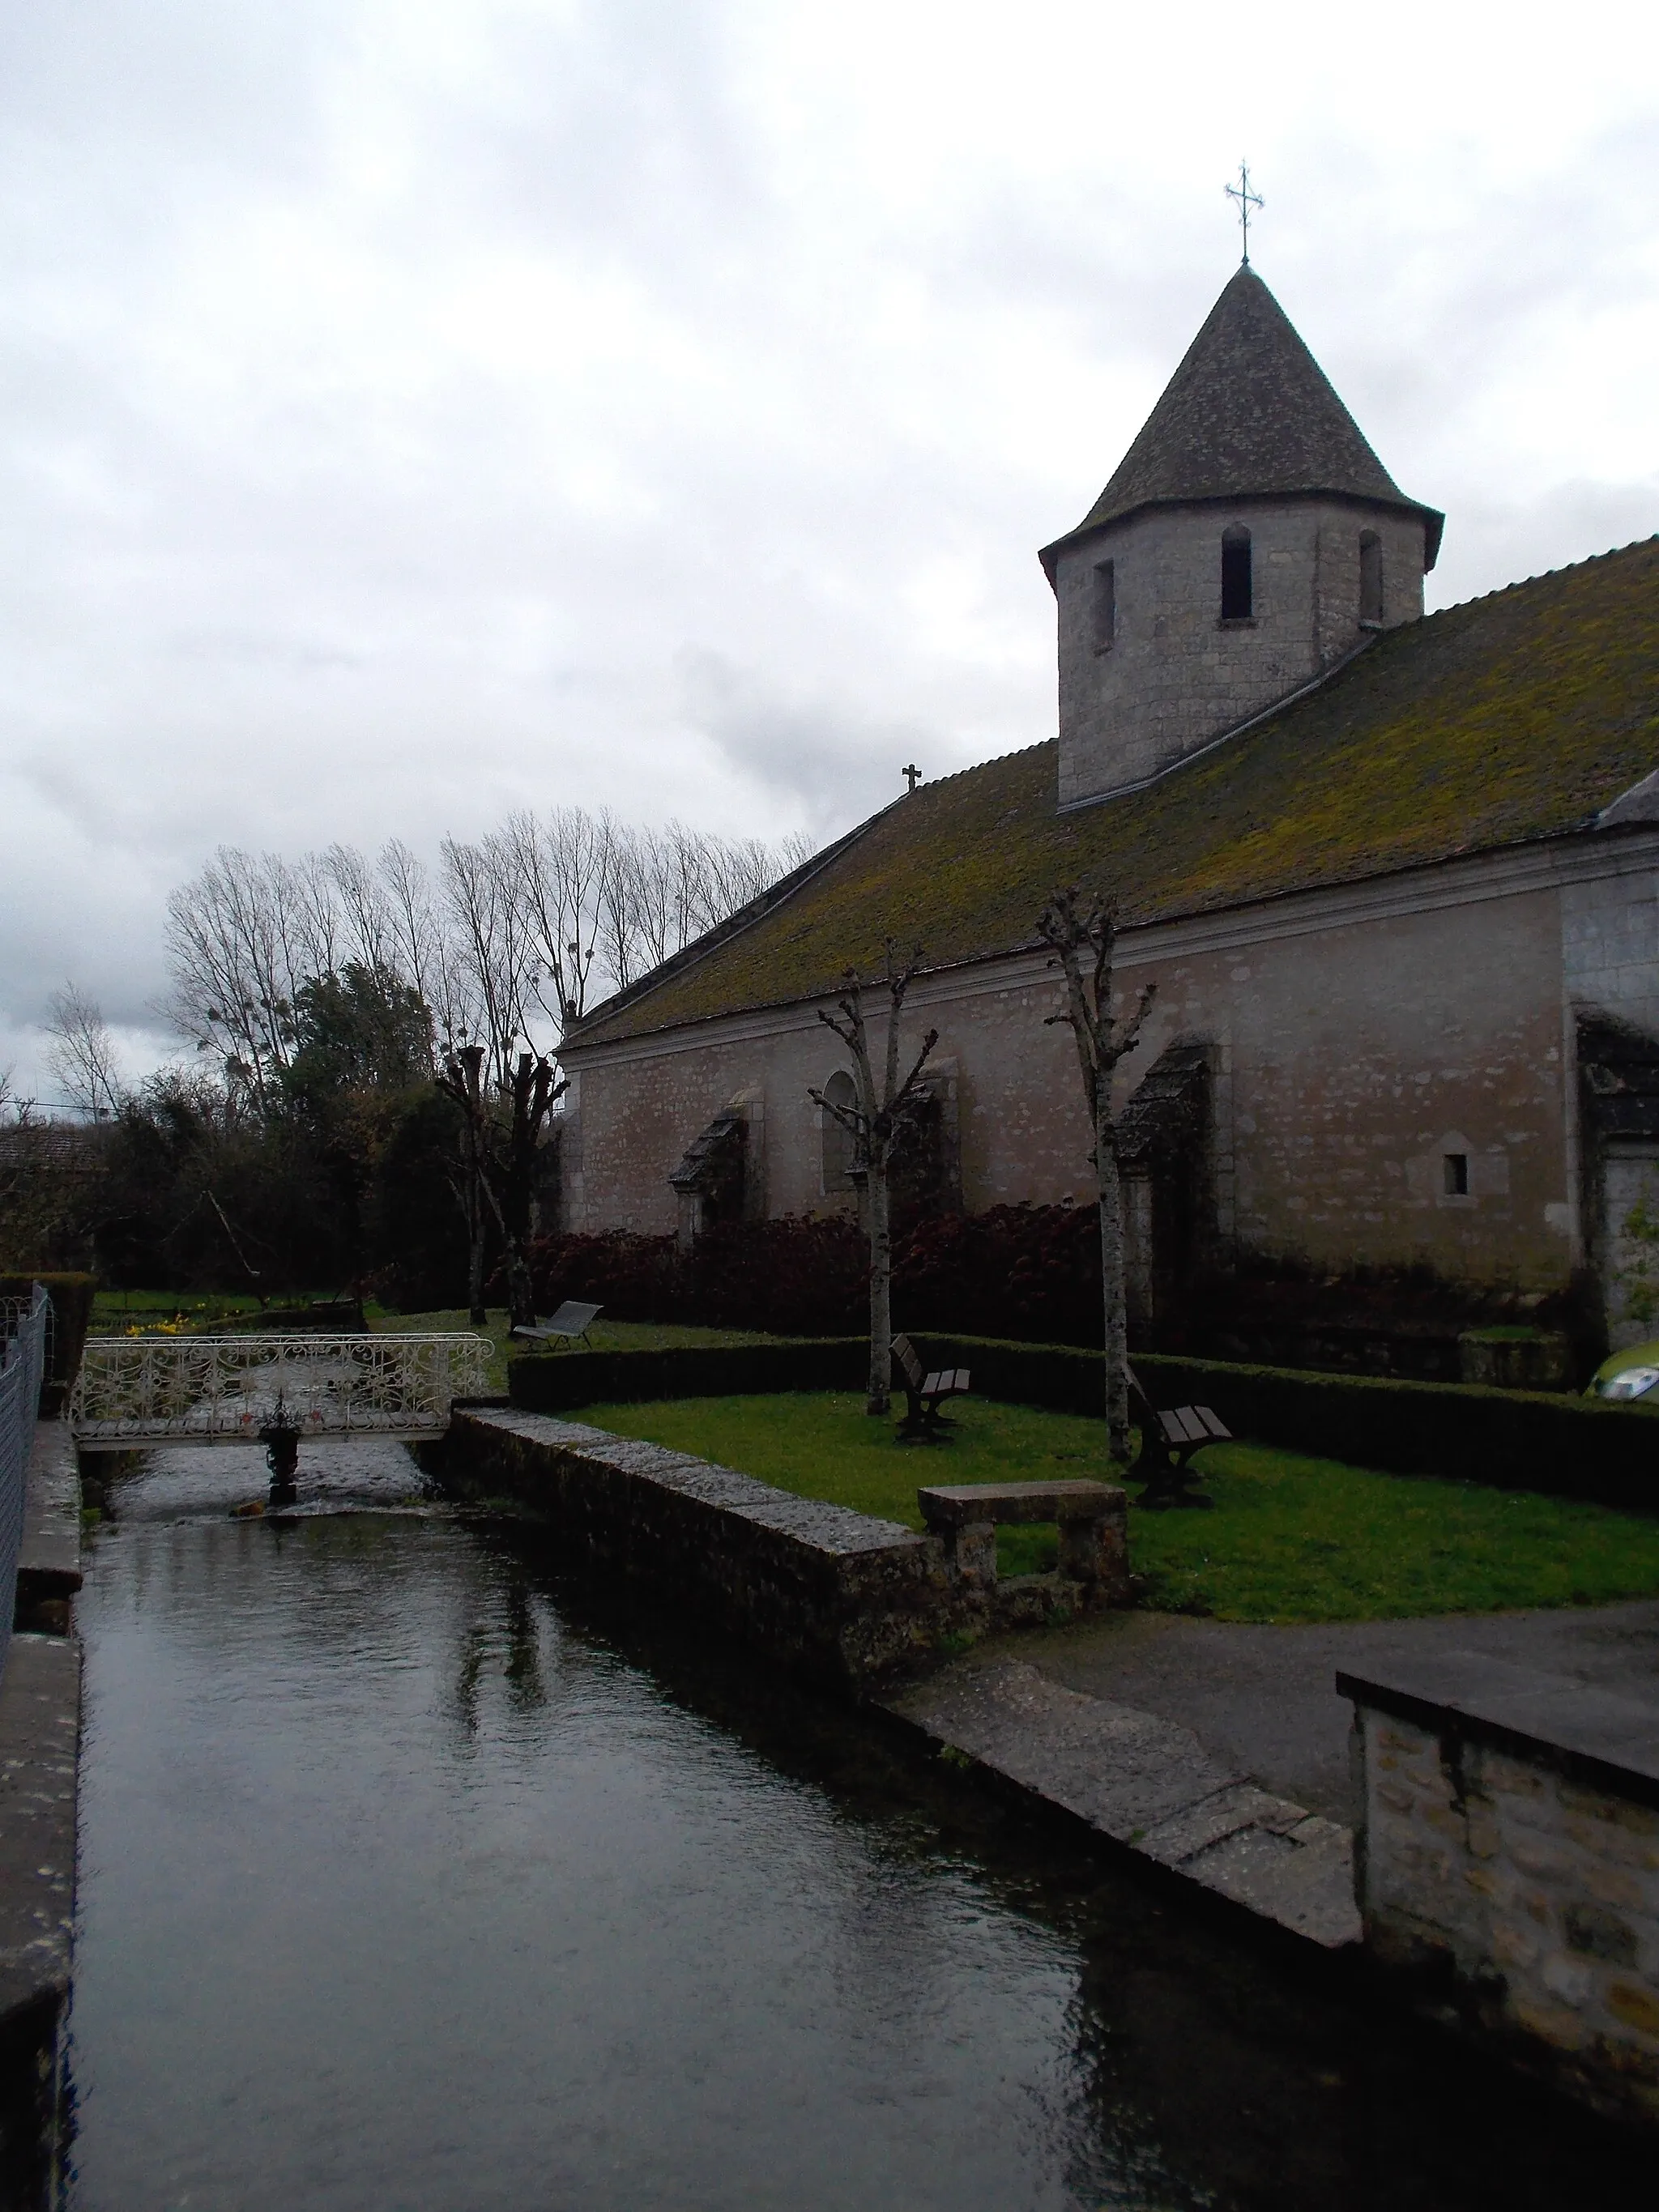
(419, 408)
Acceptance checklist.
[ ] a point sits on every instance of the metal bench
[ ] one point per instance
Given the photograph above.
(1091, 1518)
(569, 1325)
(1168, 1439)
(924, 1422)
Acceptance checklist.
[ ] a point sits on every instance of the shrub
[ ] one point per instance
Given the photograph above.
(1018, 1271)
(796, 1276)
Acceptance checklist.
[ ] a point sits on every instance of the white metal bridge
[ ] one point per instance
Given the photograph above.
(138, 1390)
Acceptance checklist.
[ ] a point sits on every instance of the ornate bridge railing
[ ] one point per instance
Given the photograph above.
(137, 1390)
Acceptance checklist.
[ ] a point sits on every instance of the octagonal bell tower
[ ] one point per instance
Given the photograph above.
(1249, 542)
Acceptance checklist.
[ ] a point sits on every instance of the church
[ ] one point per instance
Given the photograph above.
(1395, 875)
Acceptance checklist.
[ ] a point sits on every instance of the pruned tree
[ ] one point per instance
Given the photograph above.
(874, 1119)
(462, 1081)
(83, 1055)
(1083, 944)
(534, 1091)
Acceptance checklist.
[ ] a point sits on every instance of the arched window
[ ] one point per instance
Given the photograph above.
(1236, 597)
(839, 1145)
(1370, 579)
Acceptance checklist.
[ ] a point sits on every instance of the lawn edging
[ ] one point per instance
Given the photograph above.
(1513, 1439)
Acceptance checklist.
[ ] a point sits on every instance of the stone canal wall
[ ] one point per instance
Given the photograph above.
(836, 1594)
(1508, 1864)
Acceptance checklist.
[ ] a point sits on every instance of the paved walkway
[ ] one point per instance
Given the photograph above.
(1220, 1752)
(1264, 1699)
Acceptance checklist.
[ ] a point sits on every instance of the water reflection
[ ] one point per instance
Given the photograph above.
(415, 1877)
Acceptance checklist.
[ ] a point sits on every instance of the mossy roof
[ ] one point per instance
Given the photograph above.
(1249, 411)
(1503, 720)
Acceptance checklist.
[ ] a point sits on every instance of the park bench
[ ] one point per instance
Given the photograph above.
(570, 1323)
(1167, 1440)
(1092, 1516)
(924, 1422)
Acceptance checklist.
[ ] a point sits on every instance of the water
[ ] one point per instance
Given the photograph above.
(408, 1880)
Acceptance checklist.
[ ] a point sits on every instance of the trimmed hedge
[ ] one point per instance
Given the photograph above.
(562, 1382)
(1513, 1439)
(72, 1300)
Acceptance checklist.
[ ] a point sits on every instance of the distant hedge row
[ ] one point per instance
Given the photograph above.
(1514, 1439)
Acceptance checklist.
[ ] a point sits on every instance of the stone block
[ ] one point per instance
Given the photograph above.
(1635, 2007)
(1559, 2025)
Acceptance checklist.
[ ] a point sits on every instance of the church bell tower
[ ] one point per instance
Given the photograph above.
(1250, 542)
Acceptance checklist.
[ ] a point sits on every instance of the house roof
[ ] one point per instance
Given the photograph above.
(1506, 720)
(1250, 412)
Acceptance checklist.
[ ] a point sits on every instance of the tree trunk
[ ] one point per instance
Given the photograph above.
(881, 1291)
(1112, 1280)
(478, 1222)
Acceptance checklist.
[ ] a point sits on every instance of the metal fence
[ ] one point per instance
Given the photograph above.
(134, 1390)
(22, 1364)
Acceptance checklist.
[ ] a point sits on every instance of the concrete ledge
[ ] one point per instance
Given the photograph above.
(49, 1561)
(1605, 1741)
(39, 1740)
(1147, 1785)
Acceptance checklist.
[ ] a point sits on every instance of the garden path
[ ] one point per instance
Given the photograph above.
(1263, 1698)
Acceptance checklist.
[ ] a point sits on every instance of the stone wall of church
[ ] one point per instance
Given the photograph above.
(1387, 1089)
(1175, 675)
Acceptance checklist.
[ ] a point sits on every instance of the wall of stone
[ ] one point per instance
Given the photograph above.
(835, 1595)
(1508, 1865)
(1175, 675)
(1354, 1051)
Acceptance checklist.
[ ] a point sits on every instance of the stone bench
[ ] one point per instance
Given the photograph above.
(1093, 1519)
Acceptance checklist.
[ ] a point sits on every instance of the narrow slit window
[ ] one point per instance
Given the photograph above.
(1456, 1166)
(1236, 595)
(1370, 579)
(1105, 606)
(839, 1145)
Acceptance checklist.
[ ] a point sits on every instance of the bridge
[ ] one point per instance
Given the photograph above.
(134, 1391)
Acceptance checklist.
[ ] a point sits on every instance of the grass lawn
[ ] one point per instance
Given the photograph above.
(1290, 1539)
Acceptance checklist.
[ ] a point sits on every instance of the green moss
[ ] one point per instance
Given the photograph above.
(1510, 718)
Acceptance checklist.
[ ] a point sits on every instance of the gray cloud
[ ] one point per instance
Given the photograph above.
(417, 411)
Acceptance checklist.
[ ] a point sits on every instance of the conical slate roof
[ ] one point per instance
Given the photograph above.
(1248, 412)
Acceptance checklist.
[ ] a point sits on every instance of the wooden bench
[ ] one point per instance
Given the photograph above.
(924, 1423)
(569, 1325)
(1092, 1518)
(1167, 1440)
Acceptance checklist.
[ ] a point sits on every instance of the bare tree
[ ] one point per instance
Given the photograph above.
(462, 1079)
(534, 1089)
(874, 1121)
(422, 954)
(561, 869)
(494, 955)
(235, 946)
(83, 1055)
(1083, 945)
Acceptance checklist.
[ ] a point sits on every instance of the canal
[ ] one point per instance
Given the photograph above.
(412, 1877)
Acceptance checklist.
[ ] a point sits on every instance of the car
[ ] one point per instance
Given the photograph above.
(1630, 1377)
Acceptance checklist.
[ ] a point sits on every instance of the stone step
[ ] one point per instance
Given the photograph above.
(1150, 1786)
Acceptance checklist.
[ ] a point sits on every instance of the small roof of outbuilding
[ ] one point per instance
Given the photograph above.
(1249, 413)
(1496, 723)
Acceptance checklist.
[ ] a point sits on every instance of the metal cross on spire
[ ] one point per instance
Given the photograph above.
(1247, 199)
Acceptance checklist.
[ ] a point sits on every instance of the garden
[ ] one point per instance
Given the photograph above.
(1289, 1538)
